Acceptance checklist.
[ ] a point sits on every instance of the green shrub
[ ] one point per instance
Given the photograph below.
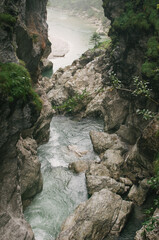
(7, 18)
(70, 104)
(153, 47)
(95, 39)
(105, 44)
(15, 83)
(148, 68)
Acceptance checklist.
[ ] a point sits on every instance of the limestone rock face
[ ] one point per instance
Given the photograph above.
(30, 174)
(136, 167)
(41, 129)
(13, 120)
(25, 39)
(116, 110)
(29, 34)
(96, 218)
(83, 75)
(97, 169)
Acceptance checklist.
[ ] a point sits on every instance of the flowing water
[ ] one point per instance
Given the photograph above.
(63, 190)
(69, 32)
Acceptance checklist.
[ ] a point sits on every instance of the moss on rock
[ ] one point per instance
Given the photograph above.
(15, 83)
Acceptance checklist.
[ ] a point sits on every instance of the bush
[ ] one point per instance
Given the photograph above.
(15, 83)
(70, 104)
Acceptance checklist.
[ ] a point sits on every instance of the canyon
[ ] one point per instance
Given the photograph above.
(127, 146)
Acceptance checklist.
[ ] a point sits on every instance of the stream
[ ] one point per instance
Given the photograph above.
(62, 189)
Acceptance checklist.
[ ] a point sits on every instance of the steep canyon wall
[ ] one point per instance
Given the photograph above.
(23, 42)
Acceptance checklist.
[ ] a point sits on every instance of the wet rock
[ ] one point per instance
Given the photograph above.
(30, 174)
(76, 150)
(79, 166)
(46, 65)
(96, 218)
(138, 193)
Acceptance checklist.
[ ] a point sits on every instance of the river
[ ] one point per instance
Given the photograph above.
(67, 33)
(64, 190)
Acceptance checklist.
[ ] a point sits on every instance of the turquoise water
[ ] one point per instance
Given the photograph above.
(63, 190)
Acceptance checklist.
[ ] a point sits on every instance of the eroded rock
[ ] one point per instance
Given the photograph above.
(96, 218)
(30, 174)
(79, 166)
(96, 183)
(138, 193)
(103, 141)
(113, 160)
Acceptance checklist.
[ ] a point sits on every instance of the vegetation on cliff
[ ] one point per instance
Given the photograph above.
(134, 58)
(15, 83)
(139, 20)
(8, 19)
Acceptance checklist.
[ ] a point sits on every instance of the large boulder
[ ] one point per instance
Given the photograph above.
(96, 183)
(138, 193)
(103, 141)
(79, 166)
(96, 218)
(98, 169)
(113, 160)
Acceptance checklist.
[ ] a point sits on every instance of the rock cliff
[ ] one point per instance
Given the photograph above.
(23, 42)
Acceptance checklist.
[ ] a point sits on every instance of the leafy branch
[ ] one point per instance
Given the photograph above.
(141, 88)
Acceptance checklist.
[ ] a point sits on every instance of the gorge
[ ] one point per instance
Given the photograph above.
(99, 84)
